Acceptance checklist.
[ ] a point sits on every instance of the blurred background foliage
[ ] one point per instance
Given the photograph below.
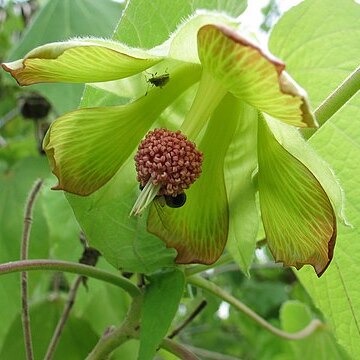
(218, 332)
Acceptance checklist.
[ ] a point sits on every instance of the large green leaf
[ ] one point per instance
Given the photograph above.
(161, 302)
(321, 47)
(75, 343)
(15, 183)
(240, 164)
(145, 24)
(123, 241)
(320, 345)
(59, 20)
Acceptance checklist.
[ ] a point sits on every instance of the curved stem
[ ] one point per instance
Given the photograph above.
(189, 319)
(25, 315)
(67, 266)
(342, 94)
(114, 338)
(217, 291)
(178, 349)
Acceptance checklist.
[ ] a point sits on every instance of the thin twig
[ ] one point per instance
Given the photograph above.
(220, 293)
(210, 355)
(188, 320)
(177, 349)
(71, 267)
(9, 116)
(24, 279)
(64, 316)
(89, 257)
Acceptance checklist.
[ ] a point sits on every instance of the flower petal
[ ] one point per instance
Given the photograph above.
(199, 229)
(87, 147)
(252, 75)
(240, 164)
(79, 61)
(298, 218)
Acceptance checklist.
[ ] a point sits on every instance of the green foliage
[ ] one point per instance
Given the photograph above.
(320, 57)
(60, 20)
(161, 302)
(320, 345)
(319, 41)
(78, 335)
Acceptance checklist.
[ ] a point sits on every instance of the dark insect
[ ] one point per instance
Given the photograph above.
(34, 107)
(159, 81)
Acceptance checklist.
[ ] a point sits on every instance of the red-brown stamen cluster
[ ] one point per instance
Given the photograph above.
(168, 159)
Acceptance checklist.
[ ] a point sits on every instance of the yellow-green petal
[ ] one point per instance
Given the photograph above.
(79, 61)
(240, 164)
(253, 75)
(298, 217)
(199, 229)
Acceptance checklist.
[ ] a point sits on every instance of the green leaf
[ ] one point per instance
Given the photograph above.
(321, 344)
(320, 57)
(75, 343)
(298, 218)
(112, 308)
(59, 20)
(15, 184)
(145, 24)
(160, 305)
(240, 164)
(64, 230)
(122, 240)
(319, 45)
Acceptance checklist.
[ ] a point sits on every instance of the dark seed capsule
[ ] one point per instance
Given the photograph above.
(175, 201)
(35, 107)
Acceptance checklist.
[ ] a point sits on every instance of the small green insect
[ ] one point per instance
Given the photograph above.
(158, 80)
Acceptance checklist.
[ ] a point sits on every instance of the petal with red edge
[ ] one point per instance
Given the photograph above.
(298, 217)
(79, 61)
(199, 229)
(253, 75)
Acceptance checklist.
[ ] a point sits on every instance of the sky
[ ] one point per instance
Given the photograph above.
(252, 18)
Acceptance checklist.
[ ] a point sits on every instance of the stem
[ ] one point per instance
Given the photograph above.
(177, 349)
(339, 97)
(188, 320)
(210, 355)
(25, 315)
(67, 266)
(64, 316)
(217, 291)
(208, 96)
(113, 339)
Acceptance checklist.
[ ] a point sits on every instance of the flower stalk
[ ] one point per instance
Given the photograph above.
(25, 314)
(220, 293)
(71, 267)
(339, 97)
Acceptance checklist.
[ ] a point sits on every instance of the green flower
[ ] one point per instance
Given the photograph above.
(241, 109)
